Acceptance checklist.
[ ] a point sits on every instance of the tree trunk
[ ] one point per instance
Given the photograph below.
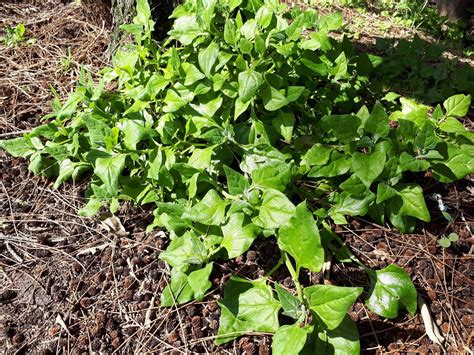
(455, 9)
(114, 13)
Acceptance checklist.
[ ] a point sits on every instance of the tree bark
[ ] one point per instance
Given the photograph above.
(114, 13)
(455, 9)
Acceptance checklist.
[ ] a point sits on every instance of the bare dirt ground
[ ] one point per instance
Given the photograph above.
(67, 285)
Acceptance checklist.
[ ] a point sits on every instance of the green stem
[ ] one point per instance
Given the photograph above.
(294, 275)
(276, 267)
(229, 196)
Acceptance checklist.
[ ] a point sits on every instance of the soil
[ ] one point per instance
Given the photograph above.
(70, 285)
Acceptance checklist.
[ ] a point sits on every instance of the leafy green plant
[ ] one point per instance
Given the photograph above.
(446, 242)
(414, 67)
(408, 13)
(14, 35)
(66, 61)
(240, 127)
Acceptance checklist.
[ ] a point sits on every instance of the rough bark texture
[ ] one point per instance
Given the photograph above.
(455, 9)
(114, 13)
(98, 11)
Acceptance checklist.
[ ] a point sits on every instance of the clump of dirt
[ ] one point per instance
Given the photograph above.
(68, 285)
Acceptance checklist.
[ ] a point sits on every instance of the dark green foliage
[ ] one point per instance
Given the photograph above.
(237, 127)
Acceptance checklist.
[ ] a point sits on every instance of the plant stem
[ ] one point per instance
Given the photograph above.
(276, 267)
(294, 275)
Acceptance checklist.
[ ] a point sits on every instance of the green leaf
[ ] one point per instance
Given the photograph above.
(238, 235)
(378, 122)
(317, 155)
(249, 82)
(143, 12)
(367, 167)
(426, 137)
(109, 171)
(233, 4)
(391, 289)
(187, 249)
(248, 306)
(413, 202)
(66, 169)
(444, 242)
(91, 208)
(300, 238)
(354, 186)
(240, 107)
(133, 132)
(201, 158)
(230, 32)
(275, 210)
(290, 339)
(186, 284)
(291, 304)
(293, 32)
(210, 107)
(272, 175)
(264, 16)
(339, 69)
(339, 165)
(352, 205)
(70, 106)
(274, 99)
(207, 58)
(155, 85)
(408, 162)
(457, 105)
(458, 165)
(249, 29)
(173, 101)
(284, 124)
(18, 147)
(385, 192)
(178, 291)
(236, 182)
(318, 40)
(186, 29)
(452, 125)
(344, 340)
(453, 237)
(344, 127)
(199, 281)
(293, 93)
(210, 210)
(193, 74)
(331, 22)
(331, 303)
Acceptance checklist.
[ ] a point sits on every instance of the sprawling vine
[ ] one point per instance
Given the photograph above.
(250, 122)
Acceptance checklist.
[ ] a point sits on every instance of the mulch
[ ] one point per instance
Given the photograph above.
(70, 285)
